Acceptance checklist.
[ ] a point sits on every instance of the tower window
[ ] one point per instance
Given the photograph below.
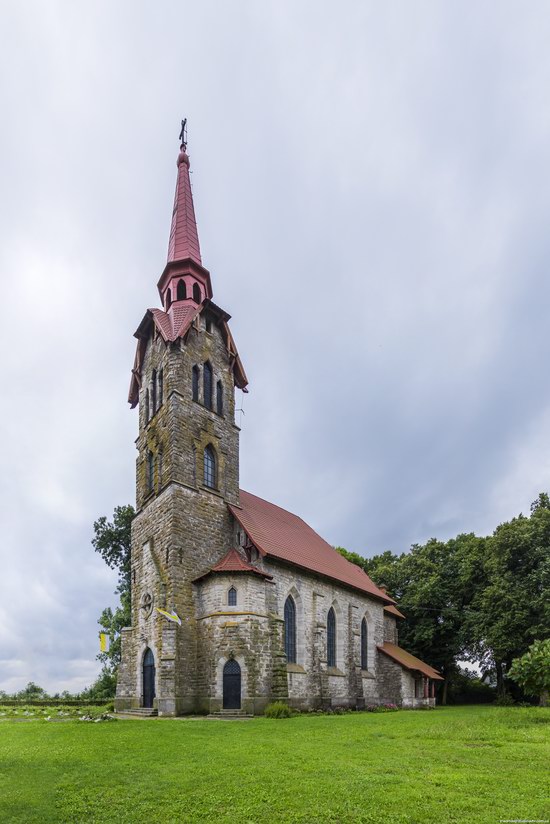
(219, 398)
(207, 385)
(208, 324)
(147, 410)
(331, 638)
(181, 290)
(232, 597)
(290, 630)
(153, 391)
(161, 387)
(364, 645)
(196, 377)
(210, 467)
(150, 471)
(196, 293)
(168, 298)
(159, 470)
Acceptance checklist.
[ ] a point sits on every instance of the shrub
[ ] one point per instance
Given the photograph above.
(278, 710)
(505, 700)
(381, 708)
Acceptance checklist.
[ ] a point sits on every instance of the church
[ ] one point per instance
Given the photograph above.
(236, 603)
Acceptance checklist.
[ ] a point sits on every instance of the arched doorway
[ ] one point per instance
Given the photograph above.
(148, 678)
(231, 685)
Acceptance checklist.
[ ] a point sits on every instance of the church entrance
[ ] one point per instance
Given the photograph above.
(232, 686)
(148, 678)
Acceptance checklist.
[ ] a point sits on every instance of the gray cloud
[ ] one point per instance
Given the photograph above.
(372, 196)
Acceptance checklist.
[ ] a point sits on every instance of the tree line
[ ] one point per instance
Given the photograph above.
(483, 600)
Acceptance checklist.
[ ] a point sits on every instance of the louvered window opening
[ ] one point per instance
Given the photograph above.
(290, 630)
(207, 380)
(196, 377)
(209, 468)
(219, 398)
(331, 638)
(181, 292)
(150, 471)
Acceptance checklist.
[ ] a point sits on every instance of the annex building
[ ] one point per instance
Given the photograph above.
(268, 609)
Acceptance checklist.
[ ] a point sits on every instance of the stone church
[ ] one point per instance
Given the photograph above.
(256, 606)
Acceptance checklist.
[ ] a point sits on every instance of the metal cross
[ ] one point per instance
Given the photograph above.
(183, 133)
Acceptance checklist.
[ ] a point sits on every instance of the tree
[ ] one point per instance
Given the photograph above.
(112, 539)
(511, 609)
(532, 671)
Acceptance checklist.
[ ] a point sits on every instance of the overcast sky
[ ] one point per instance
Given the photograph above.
(371, 185)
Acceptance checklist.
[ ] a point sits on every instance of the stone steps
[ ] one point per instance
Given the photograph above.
(140, 712)
(230, 714)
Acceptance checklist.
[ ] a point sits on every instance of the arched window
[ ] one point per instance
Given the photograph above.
(181, 290)
(219, 398)
(331, 638)
(159, 470)
(153, 391)
(150, 471)
(161, 387)
(290, 630)
(196, 293)
(207, 385)
(364, 645)
(147, 410)
(208, 324)
(196, 378)
(210, 467)
(168, 298)
(232, 597)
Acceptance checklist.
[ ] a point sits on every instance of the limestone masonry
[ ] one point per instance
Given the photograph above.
(264, 608)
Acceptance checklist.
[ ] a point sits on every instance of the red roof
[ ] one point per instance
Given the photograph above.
(184, 238)
(233, 562)
(394, 611)
(279, 534)
(405, 659)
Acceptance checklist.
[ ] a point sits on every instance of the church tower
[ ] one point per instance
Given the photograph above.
(183, 382)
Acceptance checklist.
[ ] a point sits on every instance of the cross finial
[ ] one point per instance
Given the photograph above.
(183, 134)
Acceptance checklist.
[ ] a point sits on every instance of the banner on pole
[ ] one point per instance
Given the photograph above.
(170, 616)
(103, 642)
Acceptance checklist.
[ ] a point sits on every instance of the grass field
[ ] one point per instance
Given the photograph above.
(461, 764)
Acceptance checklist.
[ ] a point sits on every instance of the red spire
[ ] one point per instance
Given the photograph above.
(184, 239)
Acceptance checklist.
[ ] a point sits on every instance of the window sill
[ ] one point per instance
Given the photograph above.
(210, 489)
(295, 668)
(335, 671)
(213, 411)
(367, 674)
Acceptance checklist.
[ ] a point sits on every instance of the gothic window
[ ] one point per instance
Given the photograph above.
(364, 645)
(181, 290)
(160, 387)
(290, 630)
(219, 398)
(159, 470)
(207, 385)
(196, 377)
(150, 470)
(210, 467)
(196, 293)
(153, 391)
(232, 597)
(168, 298)
(331, 638)
(147, 410)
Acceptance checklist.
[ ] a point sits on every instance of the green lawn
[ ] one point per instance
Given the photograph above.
(461, 764)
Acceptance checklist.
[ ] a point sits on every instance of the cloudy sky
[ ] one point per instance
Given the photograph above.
(371, 185)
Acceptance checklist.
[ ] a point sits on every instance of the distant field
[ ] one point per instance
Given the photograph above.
(461, 764)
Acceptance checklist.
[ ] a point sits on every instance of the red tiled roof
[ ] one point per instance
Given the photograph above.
(409, 661)
(184, 238)
(280, 534)
(233, 562)
(393, 611)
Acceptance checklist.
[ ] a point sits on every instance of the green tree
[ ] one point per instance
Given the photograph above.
(532, 671)
(112, 539)
(511, 608)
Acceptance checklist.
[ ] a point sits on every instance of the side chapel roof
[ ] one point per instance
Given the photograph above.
(279, 534)
(232, 562)
(408, 661)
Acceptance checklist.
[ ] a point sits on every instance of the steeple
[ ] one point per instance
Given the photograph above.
(184, 239)
(184, 277)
